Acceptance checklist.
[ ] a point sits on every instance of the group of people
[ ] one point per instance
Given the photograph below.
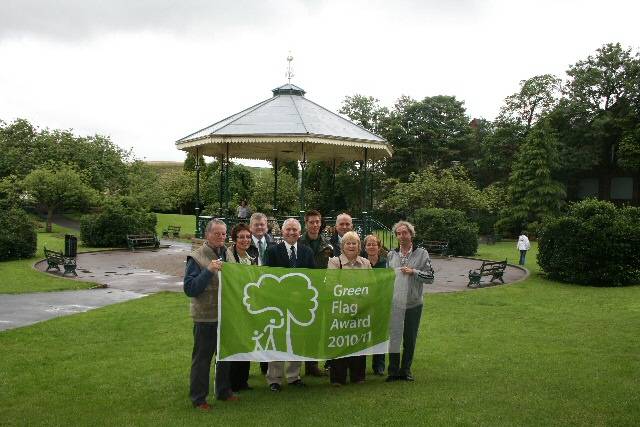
(253, 245)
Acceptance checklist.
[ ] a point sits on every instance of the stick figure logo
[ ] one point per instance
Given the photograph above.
(266, 296)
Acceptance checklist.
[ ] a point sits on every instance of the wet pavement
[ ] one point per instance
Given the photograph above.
(135, 274)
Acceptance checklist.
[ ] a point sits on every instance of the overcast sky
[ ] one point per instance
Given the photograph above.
(147, 73)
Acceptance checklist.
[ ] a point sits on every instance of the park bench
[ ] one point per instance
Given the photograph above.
(135, 241)
(436, 247)
(173, 230)
(495, 269)
(56, 258)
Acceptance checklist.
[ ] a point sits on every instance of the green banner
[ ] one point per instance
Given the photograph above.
(270, 313)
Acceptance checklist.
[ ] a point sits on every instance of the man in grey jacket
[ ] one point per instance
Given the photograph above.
(415, 265)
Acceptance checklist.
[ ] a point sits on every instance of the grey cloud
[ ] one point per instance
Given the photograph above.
(78, 19)
(70, 19)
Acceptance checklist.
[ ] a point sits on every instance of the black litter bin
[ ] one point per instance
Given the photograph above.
(70, 245)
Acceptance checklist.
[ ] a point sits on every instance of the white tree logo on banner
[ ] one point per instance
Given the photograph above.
(258, 299)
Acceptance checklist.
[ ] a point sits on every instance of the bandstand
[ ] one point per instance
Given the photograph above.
(285, 127)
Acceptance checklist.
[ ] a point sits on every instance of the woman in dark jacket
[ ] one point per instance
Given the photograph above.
(373, 250)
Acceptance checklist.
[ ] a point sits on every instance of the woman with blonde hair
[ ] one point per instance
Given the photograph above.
(348, 259)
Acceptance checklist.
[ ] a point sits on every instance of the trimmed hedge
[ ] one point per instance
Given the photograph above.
(447, 224)
(109, 228)
(18, 238)
(595, 244)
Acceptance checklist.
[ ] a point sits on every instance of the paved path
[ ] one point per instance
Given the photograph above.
(130, 275)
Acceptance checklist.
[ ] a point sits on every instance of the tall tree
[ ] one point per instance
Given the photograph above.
(56, 187)
(365, 111)
(145, 187)
(536, 97)
(190, 162)
(533, 191)
(601, 110)
(434, 131)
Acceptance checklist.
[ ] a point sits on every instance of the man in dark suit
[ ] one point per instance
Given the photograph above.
(290, 254)
(344, 223)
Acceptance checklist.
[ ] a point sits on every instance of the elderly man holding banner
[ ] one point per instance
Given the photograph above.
(288, 253)
(201, 284)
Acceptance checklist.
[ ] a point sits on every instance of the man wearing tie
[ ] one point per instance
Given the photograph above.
(260, 242)
(288, 253)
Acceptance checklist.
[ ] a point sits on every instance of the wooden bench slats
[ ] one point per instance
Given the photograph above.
(142, 241)
(56, 258)
(439, 247)
(495, 269)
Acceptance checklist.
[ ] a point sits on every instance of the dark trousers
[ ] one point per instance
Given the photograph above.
(239, 375)
(204, 347)
(523, 254)
(409, 336)
(355, 365)
(377, 362)
(310, 366)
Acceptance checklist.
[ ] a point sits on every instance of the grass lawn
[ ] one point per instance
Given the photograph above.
(19, 276)
(534, 353)
(187, 224)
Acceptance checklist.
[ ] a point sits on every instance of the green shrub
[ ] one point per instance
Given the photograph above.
(18, 238)
(594, 244)
(119, 217)
(447, 224)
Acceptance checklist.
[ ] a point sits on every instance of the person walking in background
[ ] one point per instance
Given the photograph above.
(241, 236)
(415, 264)
(354, 365)
(373, 252)
(243, 211)
(523, 246)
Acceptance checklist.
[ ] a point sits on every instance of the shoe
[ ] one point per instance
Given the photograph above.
(232, 398)
(298, 383)
(314, 372)
(392, 378)
(378, 372)
(203, 406)
(275, 387)
(336, 384)
(242, 387)
(408, 378)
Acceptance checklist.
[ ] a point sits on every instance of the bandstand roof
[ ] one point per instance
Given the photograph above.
(284, 127)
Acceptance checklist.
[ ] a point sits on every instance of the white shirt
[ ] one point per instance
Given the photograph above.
(264, 245)
(288, 246)
(523, 243)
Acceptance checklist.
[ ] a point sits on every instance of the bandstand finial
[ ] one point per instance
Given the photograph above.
(289, 74)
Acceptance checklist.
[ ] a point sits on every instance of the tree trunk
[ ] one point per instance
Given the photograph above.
(49, 219)
(181, 210)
